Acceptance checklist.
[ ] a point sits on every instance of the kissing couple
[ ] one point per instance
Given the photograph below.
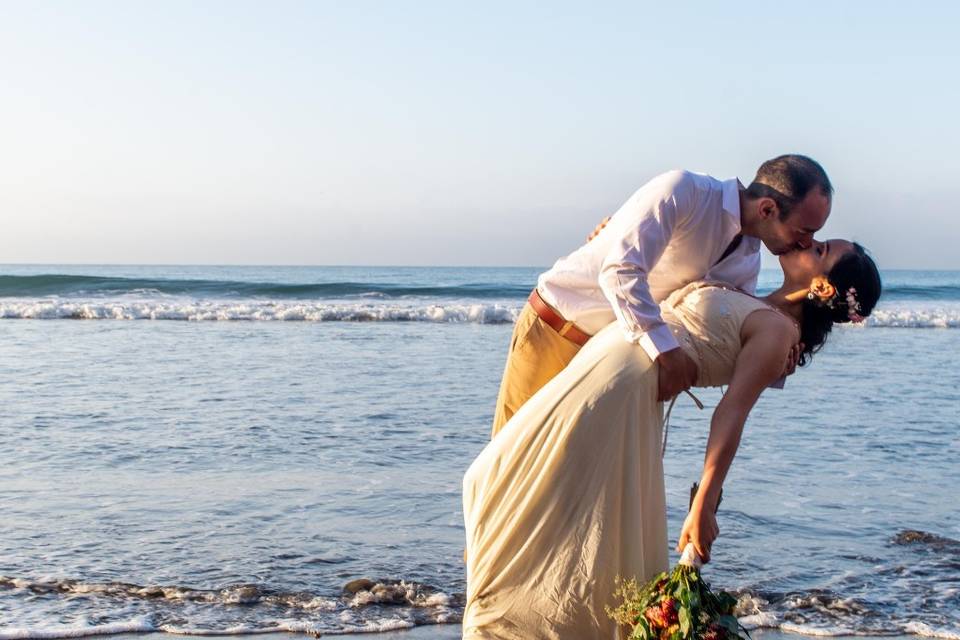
(569, 493)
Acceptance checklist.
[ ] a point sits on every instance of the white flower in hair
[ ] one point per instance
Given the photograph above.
(853, 307)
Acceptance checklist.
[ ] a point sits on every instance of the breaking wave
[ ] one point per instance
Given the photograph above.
(363, 606)
(486, 287)
(81, 285)
(258, 311)
(414, 311)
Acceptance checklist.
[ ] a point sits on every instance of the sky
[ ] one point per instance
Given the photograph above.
(454, 133)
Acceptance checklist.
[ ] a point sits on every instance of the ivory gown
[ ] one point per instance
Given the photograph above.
(570, 493)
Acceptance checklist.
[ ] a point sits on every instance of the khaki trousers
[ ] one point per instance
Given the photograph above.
(537, 354)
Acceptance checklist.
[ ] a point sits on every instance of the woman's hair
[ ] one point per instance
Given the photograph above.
(856, 270)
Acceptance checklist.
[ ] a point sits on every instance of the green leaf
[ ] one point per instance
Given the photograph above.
(726, 602)
(685, 622)
(642, 630)
(730, 624)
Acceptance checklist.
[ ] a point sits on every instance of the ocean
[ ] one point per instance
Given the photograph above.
(212, 450)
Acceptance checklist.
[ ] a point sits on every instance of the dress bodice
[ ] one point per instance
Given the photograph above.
(706, 318)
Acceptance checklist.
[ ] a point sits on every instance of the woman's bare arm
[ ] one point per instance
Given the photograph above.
(767, 340)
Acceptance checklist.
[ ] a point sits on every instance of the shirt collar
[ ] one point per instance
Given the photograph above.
(731, 200)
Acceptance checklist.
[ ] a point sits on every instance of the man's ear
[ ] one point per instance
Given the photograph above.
(768, 208)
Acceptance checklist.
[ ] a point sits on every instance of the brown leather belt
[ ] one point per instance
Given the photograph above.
(556, 321)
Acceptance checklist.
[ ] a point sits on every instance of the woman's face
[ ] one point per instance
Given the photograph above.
(806, 264)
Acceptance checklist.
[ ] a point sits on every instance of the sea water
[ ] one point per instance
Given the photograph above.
(246, 449)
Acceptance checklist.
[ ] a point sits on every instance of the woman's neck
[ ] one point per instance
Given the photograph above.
(779, 299)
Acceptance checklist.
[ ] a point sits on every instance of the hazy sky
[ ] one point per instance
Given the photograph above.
(449, 132)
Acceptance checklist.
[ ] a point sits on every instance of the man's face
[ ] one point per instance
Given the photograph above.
(795, 232)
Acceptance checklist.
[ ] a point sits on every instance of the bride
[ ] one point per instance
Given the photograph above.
(570, 493)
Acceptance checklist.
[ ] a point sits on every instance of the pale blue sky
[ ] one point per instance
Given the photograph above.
(492, 133)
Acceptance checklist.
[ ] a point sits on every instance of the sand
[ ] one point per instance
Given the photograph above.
(433, 632)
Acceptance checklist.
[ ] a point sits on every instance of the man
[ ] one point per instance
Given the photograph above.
(678, 228)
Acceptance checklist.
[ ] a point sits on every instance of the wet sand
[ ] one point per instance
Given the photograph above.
(439, 632)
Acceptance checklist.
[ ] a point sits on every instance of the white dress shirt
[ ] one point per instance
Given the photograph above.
(671, 232)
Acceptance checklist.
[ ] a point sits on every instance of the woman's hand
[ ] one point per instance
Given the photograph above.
(701, 529)
(599, 228)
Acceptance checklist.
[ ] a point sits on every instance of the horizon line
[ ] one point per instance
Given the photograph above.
(355, 266)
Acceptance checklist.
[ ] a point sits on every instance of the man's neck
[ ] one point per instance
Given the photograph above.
(748, 223)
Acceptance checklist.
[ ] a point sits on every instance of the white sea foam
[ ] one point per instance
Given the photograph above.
(350, 626)
(380, 625)
(917, 316)
(399, 593)
(923, 629)
(768, 620)
(320, 604)
(760, 620)
(750, 611)
(239, 630)
(259, 311)
(137, 625)
(825, 632)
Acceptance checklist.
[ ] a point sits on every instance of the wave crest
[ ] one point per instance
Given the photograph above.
(258, 311)
(80, 285)
(290, 311)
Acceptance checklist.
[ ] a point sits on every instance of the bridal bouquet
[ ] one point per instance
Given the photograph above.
(677, 606)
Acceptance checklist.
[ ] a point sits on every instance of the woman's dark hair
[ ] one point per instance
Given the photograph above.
(857, 270)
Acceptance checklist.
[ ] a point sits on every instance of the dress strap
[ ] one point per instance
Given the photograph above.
(666, 418)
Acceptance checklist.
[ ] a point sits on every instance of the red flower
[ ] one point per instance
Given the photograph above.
(715, 632)
(668, 607)
(667, 632)
(655, 617)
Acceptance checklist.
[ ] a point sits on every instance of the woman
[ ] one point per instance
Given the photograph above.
(570, 494)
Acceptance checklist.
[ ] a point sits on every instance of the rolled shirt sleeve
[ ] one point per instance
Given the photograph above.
(750, 284)
(624, 272)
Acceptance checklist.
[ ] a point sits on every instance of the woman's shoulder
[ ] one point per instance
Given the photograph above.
(767, 320)
(747, 308)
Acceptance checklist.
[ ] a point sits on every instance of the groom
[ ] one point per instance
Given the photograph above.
(678, 228)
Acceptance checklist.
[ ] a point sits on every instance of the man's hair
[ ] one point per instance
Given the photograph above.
(787, 180)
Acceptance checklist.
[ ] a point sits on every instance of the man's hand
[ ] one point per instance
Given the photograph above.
(793, 358)
(677, 373)
(598, 229)
(700, 528)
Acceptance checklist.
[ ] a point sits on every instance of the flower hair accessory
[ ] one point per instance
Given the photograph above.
(819, 289)
(853, 307)
(825, 294)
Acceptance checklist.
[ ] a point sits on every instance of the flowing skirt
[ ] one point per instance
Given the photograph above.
(568, 496)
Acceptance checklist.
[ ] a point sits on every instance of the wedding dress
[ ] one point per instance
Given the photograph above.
(570, 493)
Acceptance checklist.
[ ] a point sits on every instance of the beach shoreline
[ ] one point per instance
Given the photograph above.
(438, 632)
